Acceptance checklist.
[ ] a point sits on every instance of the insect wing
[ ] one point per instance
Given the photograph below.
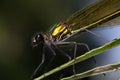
(94, 14)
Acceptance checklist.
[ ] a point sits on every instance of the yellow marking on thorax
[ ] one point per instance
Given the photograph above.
(60, 29)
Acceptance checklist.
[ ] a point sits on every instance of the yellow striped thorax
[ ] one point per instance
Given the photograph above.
(61, 30)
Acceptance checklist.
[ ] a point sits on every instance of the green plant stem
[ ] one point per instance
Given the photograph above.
(83, 57)
(95, 71)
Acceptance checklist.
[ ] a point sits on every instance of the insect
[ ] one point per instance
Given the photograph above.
(91, 16)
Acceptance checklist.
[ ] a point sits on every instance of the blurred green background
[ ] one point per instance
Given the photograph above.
(19, 21)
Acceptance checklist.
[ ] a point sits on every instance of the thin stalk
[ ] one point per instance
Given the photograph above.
(83, 57)
(95, 71)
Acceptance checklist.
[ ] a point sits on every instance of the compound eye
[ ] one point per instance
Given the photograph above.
(37, 39)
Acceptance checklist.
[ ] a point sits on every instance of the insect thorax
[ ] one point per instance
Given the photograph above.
(61, 31)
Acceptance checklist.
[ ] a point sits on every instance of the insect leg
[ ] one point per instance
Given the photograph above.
(75, 49)
(96, 35)
(52, 58)
(87, 49)
(63, 53)
(42, 61)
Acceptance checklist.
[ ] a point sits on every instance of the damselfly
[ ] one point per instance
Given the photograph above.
(91, 16)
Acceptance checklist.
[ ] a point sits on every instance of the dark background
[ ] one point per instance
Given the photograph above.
(19, 21)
